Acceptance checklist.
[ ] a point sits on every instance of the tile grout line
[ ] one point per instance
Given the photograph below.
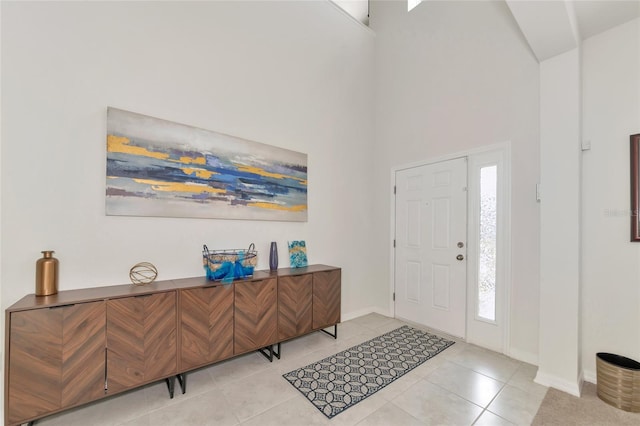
(485, 409)
(241, 422)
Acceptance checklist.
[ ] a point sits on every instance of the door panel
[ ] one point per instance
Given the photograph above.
(56, 359)
(441, 285)
(141, 340)
(431, 208)
(125, 343)
(326, 298)
(206, 321)
(414, 216)
(35, 359)
(441, 223)
(413, 281)
(294, 306)
(160, 344)
(256, 320)
(83, 353)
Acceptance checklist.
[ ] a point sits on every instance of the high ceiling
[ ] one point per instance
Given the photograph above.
(555, 26)
(550, 26)
(597, 16)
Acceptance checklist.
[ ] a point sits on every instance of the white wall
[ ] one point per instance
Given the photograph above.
(559, 348)
(454, 76)
(290, 74)
(1, 305)
(611, 264)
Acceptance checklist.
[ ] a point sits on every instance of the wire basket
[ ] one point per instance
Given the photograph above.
(230, 264)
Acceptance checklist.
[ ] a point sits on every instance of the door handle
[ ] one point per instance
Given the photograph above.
(460, 257)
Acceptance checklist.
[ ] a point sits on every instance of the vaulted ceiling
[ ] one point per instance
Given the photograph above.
(550, 26)
(555, 26)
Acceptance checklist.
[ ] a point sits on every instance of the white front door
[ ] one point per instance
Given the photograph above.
(431, 229)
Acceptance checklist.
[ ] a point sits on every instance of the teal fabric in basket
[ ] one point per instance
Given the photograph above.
(229, 271)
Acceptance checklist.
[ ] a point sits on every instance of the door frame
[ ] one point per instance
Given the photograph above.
(504, 268)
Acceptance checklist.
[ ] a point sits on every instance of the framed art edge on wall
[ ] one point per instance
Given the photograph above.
(635, 186)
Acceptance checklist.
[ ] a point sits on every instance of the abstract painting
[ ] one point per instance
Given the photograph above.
(160, 168)
(297, 254)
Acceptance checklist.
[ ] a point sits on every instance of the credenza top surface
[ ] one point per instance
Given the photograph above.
(67, 297)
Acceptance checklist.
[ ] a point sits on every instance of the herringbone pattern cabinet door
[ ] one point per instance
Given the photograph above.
(56, 359)
(206, 324)
(141, 339)
(294, 306)
(326, 298)
(83, 346)
(256, 318)
(160, 342)
(36, 361)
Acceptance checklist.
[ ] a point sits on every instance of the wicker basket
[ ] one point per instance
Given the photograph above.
(227, 265)
(618, 381)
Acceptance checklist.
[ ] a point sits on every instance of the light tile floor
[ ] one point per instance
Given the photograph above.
(464, 385)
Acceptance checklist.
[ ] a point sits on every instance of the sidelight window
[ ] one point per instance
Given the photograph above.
(488, 238)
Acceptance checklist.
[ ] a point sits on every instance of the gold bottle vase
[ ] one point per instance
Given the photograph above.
(47, 275)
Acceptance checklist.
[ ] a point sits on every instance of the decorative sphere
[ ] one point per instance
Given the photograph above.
(143, 273)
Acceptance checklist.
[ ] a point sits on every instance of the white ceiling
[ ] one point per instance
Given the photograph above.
(551, 27)
(555, 26)
(597, 16)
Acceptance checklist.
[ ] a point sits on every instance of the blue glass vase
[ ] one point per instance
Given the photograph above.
(273, 256)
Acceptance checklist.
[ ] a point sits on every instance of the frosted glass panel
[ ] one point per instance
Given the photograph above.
(488, 242)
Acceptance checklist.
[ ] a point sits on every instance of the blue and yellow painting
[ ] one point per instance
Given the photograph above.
(160, 168)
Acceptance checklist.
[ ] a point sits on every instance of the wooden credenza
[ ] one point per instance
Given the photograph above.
(77, 346)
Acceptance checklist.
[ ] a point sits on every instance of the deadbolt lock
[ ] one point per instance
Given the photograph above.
(460, 244)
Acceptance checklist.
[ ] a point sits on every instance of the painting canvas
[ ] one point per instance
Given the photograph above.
(298, 254)
(160, 168)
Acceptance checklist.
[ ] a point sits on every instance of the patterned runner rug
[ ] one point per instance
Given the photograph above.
(339, 381)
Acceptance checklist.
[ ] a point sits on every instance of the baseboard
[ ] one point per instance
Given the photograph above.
(580, 381)
(365, 311)
(590, 376)
(524, 356)
(553, 381)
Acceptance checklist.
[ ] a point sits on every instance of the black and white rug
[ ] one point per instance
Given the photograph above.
(339, 381)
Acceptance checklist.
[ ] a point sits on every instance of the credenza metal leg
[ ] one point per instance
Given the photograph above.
(182, 379)
(335, 331)
(171, 383)
(277, 354)
(269, 356)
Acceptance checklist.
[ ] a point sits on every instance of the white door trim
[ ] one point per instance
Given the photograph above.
(505, 268)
